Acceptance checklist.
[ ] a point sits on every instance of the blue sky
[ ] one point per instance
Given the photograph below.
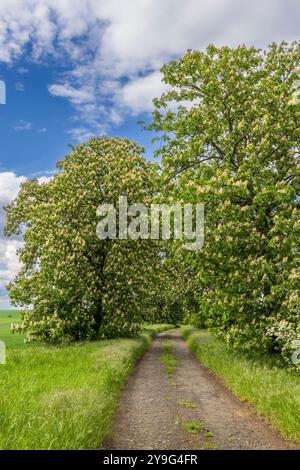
(36, 127)
(77, 68)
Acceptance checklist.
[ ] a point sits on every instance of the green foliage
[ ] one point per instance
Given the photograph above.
(76, 284)
(175, 289)
(256, 378)
(230, 140)
(156, 328)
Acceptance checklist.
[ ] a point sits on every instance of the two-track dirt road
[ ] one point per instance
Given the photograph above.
(189, 410)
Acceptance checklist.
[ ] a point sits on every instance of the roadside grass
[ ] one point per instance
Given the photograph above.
(256, 378)
(168, 359)
(64, 397)
(157, 328)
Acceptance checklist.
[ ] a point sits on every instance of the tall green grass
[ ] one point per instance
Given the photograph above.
(256, 378)
(11, 340)
(65, 397)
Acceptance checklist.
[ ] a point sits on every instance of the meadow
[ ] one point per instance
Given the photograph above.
(63, 397)
(12, 340)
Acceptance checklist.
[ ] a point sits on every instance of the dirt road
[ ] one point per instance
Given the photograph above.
(188, 410)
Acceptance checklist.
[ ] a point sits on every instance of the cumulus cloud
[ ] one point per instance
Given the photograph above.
(9, 186)
(137, 95)
(9, 265)
(75, 95)
(113, 50)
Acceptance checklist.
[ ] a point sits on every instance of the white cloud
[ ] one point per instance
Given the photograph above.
(22, 126)
(9, 186)
(101, 42)
(28, 126)
(137, 95)
(81, 134)
(9, 265)
(75, 95)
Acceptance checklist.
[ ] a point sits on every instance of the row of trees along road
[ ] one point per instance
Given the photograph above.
(228, 125)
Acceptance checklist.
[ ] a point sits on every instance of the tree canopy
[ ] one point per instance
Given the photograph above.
(228, 125)
(74, 284)
(230, 138)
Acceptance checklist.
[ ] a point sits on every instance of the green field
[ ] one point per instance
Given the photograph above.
(63, 397)
(11, 340)
(256, 378)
